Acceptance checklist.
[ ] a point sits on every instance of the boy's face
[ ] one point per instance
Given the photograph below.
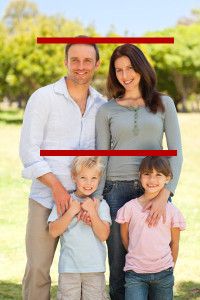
(153, 182)
(86, 181)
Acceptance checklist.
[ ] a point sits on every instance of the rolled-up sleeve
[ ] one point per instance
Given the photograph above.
(32, 134)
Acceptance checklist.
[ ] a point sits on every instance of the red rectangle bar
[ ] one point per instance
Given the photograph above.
(108, 152)
(105, 40)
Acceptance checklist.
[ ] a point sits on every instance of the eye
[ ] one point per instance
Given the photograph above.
(94, 177)
(146, 174)
(74, 59)
(118, 70)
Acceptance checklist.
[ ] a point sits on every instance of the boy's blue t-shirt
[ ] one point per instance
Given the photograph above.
(81, 251)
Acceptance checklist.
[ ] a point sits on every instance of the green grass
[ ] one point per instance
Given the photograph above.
(13, 211)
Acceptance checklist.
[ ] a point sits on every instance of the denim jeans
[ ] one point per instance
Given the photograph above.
(153, 286)
(117, 193)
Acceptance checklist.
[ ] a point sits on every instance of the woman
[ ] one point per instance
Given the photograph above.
(136, 117)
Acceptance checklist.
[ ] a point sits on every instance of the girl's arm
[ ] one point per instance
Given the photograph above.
(174, 245)
(57, 227)
(100, 228)
(124, 234)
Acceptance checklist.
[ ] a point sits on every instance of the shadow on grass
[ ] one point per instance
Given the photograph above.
(11, 116)
(11, 121)
(187, 290)
(13, 291)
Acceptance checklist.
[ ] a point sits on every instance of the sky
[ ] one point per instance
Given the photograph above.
(130, 16)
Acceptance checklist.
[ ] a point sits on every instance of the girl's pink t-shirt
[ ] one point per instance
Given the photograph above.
(149, 250)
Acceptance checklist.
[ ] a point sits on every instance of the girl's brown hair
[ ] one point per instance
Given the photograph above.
(140, 64)
(159, 163)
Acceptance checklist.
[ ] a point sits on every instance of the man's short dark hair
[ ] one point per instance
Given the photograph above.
(93, 45)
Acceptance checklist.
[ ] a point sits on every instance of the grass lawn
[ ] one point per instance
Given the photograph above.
(13, 211)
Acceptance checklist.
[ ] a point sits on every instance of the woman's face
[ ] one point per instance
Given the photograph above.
(125, 73)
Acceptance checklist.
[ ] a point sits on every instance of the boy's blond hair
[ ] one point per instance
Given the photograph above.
(88, 162)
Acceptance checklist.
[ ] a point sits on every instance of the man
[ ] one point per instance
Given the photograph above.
(57, 116)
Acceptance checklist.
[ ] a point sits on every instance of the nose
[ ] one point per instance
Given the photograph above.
(124, 74)
(81, 65)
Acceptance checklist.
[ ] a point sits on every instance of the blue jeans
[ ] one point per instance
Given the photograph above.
(117, 193)
(153, 286)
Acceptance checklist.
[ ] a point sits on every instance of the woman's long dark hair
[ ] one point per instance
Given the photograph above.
(140, 64)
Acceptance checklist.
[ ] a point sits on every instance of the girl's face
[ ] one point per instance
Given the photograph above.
(153, 182)
(86, 181)
(125, 74)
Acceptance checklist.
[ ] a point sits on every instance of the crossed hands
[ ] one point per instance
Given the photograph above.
(83, 210)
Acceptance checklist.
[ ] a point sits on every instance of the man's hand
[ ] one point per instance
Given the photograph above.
(61, 198)
(157, 208)
(74, 207)
(59, 193)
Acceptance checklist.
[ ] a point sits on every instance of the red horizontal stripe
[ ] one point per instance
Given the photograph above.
(108, 152)
(105, 40)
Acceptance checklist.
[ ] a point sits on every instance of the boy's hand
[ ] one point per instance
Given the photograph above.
(89, 205)
(74, 207)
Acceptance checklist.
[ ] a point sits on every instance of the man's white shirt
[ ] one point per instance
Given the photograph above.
(53, 120)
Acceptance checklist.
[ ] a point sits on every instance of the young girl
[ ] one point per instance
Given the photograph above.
(83, 252)
(152, 251)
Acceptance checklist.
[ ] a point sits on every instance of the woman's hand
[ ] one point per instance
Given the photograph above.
(157, 208)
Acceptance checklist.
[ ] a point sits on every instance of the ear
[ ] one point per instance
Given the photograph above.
(168, 178)
(65, 62)
(97, 64)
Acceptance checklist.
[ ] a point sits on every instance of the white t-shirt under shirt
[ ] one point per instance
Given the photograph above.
(81, 251)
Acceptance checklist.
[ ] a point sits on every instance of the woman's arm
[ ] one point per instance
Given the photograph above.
(174, 245)
(173, 138)
(102, 139)
(124, 234)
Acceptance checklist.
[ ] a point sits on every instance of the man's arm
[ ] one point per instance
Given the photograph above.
(174, 245)
(100, 228)
(32, 137)
(124, 235)
(59, 193)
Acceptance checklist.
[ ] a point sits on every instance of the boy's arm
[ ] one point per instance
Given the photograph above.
(57, 227)
(124, 234)
(174, 245)
(100, 228)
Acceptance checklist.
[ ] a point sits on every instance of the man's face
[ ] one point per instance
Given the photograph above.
(81, 63)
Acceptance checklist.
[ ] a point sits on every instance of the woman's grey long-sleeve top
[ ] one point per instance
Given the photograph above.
(115, 129)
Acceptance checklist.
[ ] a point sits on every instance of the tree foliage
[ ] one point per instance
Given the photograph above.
(25, 65)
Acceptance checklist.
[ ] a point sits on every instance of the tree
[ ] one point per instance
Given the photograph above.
(17, 11)
(178, 65)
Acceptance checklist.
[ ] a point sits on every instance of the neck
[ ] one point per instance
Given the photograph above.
(147, 197)
(80, 195)
(133, 94)
(77, 91)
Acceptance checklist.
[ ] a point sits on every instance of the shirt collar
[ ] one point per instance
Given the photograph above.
(60, 87)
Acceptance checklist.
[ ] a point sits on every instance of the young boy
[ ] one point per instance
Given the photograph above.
(83, 252)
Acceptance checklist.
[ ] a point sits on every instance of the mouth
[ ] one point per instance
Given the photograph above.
(127, 82)
(81, 73)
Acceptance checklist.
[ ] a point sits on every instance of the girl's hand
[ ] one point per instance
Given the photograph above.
(157, 208)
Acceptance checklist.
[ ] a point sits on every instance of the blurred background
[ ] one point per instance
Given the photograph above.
(26, 66)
